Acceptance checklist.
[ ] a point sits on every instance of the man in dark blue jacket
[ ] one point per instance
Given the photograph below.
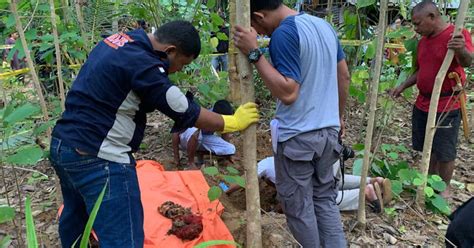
(125, 77)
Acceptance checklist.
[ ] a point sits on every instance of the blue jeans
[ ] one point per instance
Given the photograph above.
(220, 62)
(119, 222)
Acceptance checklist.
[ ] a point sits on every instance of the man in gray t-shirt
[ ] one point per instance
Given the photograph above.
(310, 79)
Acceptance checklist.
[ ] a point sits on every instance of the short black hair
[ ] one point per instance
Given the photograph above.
(181, 34)
(257, 5)
(223, 107)
(425, 4)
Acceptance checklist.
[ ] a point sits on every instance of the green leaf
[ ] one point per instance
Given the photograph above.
(436, 178)
(393, 155)
(357, 167)
(411, 44)
(236, 180)
(26, 156)
(364, 3)
(6, 241)
(211, 4)
(211, 171)
(30, 225)
(429, 192)
(406, 175)
(358, 147)
(6, 214)
(31, 34)
(417, 181)
(214, 42)
(216, 19)
(92, 216)
(214, 193)
(370, 52)
(441, 204)
(232, 170)
(397, 187)
(222, 36)
(43, 127)
(21, 113)
(439, 186)
(213, 243)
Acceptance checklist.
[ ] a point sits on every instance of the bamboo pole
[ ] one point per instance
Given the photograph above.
(373, 105)
(430, 123)
(254, 229)
(36, 82)
(58, 54)
(80, 19)
(235, 94)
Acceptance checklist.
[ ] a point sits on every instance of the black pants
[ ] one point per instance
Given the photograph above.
(461, 229)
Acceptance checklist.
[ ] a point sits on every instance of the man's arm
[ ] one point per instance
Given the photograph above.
(284, 88)
(458, 44)
(407, 84)
(343, 81)
(281, 87)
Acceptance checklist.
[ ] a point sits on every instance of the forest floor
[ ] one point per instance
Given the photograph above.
(408, 228)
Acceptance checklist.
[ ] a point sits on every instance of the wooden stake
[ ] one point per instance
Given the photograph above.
(58, 54)
(31, 66)
(80, 19)
(430, 123)
(254, 229)
(373, 106)
(235, 94)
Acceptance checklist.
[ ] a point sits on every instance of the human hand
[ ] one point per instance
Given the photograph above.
(245, 115)
(457, 43)
(245, 39)
(343, 127)
(396, 92)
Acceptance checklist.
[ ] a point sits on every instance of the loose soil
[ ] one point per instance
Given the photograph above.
(409, 228)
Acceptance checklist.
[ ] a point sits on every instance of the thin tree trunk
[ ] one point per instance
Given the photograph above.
(430, 123)
(31, 66)
(65, 8)
(58, 54)
(373, 105)
(254, 229)
(235, 94)
(80, 19)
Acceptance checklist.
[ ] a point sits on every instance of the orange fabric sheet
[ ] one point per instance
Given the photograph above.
(187, 188)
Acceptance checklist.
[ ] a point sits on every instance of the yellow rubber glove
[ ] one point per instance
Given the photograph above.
(245, 115)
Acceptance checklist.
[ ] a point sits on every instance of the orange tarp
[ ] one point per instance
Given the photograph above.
(187, 188)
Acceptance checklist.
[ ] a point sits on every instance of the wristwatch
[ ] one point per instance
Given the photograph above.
(254, 55)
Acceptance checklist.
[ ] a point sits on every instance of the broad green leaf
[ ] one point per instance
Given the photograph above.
(6, 241)
(213, 243)
(10, 21)
(214, 193)
(357, 167)
(232, 170)
(393, 155)
(364, 3)
(397, 187)
(211, 4)
(26, 156)
(441, 204)
(417, 181)
(216, 19)
(6, 214)
(411, 44)
(21, 113)
(222, 36)
(439, 186)
(87, 231)
(358, 147)
(43, 127)
(214, 42)
(235, 180)
(30, 225)
(370, 52)
(31, 34)
(429, 192)
(406, 175)
(211, 171)
(436, 178)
